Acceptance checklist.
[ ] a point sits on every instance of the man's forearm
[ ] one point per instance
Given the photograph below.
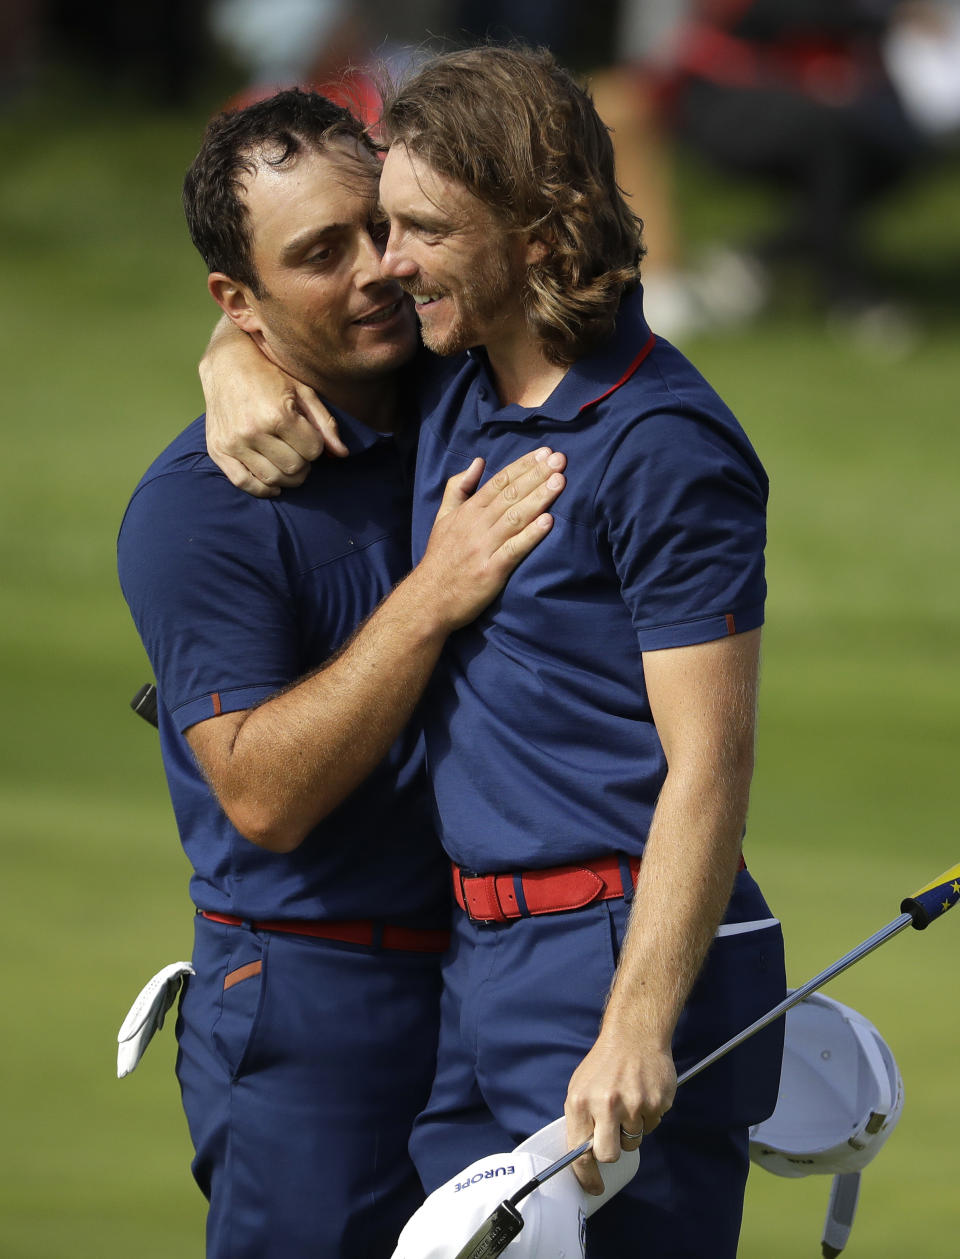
(704, 700)
(296, 757)
(690, 860)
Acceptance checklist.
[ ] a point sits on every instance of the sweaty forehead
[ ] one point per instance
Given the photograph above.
(341, 158)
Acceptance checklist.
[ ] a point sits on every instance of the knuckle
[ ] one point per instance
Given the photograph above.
(247, 433)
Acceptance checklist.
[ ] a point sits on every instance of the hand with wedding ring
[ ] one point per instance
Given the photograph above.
(617, 1095)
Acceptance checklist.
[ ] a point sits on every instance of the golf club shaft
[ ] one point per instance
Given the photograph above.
(794, 998)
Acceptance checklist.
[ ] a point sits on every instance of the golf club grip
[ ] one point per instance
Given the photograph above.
(934, 899)
(144, 703)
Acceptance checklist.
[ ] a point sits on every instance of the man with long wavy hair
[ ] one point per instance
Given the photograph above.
(591, 736)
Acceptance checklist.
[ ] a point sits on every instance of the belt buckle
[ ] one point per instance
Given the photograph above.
(473, 874)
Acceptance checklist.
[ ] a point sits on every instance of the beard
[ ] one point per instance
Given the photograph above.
(480, 305)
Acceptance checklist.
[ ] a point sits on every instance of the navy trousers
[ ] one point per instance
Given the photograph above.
(302, 1064)
(521, 1008)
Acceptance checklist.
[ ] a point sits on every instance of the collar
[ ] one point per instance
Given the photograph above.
(359, 437)
(356, 435)
(588, 381)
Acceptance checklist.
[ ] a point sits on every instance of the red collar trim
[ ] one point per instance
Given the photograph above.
(651, 341)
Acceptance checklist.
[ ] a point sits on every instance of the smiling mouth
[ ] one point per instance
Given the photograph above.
(425, 299)
(380, 316)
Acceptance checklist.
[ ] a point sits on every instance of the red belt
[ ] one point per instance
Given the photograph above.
(506, 897)
(379, 934)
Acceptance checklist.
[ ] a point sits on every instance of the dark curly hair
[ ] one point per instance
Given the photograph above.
(515, 128)
(273, 131)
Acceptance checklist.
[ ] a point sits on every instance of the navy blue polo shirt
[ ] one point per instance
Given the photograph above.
(540, 741)
(236, 597)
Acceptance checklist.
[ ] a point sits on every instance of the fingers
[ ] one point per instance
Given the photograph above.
(514, 502)
(610, 1140)
(460, 487)
(263, 466)
(523, 521)
(240, 476)
(289, 445)
(520, 512)
(579, 1129)
(523, 475)
(263, 457)
(616, 1096)
(324, 424)
(632, 1139)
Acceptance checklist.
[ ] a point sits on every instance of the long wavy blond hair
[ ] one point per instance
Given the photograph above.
(516, 129)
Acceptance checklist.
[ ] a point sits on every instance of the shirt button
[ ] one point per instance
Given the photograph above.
(482, 394)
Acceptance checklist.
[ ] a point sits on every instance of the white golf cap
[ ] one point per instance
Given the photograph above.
(553, 1214)
(841, 1096)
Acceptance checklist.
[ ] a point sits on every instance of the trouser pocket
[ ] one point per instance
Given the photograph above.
(244, 986)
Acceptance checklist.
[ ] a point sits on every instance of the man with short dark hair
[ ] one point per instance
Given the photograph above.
(289, 661)
(591, 736)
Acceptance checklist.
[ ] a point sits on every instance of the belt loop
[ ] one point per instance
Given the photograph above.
(459, 886)
(376, 941)
(626, 877)
(518, 893)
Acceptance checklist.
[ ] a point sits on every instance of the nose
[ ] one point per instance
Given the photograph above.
(395, 262)
(368, 263)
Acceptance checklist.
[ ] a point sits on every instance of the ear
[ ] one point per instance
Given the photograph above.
(235, 300)
(536, 250)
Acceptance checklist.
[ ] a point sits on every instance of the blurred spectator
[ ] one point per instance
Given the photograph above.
(337, 47)
(797, 93)
(922, 55)
(627, 90)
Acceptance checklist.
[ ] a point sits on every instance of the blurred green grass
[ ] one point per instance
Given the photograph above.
(103, 313)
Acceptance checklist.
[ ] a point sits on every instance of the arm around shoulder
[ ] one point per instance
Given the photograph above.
(264, 427)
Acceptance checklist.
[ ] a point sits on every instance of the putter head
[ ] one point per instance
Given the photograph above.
(494, 1235)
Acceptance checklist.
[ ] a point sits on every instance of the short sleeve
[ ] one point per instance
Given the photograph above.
(683, 504)
(204, 570)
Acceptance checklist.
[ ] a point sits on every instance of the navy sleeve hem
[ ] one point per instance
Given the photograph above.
(702, 630)
(216, 703)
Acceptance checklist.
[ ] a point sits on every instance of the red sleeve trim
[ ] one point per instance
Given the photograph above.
(215, 700)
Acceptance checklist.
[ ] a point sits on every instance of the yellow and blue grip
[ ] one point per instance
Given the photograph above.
(934, 899)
